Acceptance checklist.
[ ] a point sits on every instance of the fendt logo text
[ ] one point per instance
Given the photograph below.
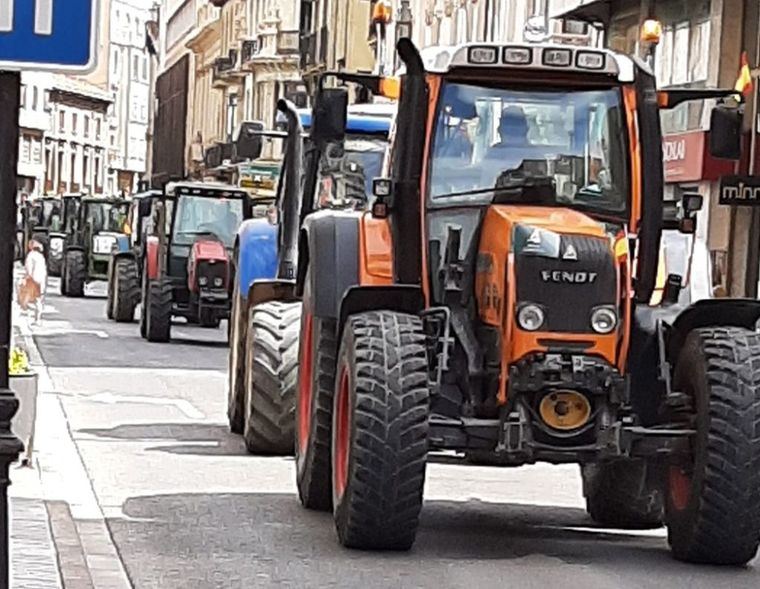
(563, 277)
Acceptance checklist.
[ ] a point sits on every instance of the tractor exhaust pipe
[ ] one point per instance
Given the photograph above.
(289, 202)
(405, 212)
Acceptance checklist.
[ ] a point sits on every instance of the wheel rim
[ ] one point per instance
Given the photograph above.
(679, 485)
(341, 433)
(304, 385)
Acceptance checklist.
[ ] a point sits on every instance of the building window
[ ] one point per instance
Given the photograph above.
(22, 100)
(74, 121)
(61, 121)
(115, 62)
(136, 67)
(145, 69)
(97, 129)
(35, 97)
(86, 125)
(682, 54)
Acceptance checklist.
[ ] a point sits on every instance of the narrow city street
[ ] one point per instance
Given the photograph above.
(186, 507)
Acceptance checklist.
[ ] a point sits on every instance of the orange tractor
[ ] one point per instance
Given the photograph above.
(497, 301)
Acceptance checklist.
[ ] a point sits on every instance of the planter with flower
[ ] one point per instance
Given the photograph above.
(23, 382)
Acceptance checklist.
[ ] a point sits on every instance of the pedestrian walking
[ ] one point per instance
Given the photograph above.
(32, 291)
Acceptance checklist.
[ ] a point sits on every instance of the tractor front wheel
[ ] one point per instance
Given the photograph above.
(618, 495)
(270, 385)
(379, 431)
(126, 290)
(158, 312)
(713, 501)
(75, 274)
(236, 370)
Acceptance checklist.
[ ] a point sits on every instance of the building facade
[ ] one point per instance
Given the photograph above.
(130, 82)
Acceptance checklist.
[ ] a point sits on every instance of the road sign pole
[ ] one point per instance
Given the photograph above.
(10, 445)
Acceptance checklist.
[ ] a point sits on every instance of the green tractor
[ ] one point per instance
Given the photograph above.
(42, 221)
(94, 229)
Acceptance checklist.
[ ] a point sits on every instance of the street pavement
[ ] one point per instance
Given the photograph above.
(183, 506)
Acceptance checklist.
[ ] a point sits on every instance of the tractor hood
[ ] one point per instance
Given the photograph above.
(208, 266)
(558, 260)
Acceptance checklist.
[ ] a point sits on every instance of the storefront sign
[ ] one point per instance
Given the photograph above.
(740, 190)
(686, 158)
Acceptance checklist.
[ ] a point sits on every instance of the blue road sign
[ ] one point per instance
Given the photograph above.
(55, 35)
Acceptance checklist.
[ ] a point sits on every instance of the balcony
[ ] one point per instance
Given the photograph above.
(207, 25)
(226, 69)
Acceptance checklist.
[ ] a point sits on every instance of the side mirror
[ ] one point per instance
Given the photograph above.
(691, 203)
(726, 132)
(248, 142)
(381, 190)
(330, 113)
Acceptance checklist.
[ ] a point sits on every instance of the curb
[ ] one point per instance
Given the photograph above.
(87, 556)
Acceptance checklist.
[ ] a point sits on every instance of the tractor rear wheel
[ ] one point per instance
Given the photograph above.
(713, 503)
(271, 378)
(317, 350)
(126, 290)
(379, 431)
(237, 366)
(75, 276)
(618, 495)
(158, 312)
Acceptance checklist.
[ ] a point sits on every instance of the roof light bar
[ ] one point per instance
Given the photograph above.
(518, 55)
(483, 55)
(557, 57)
(590, 60)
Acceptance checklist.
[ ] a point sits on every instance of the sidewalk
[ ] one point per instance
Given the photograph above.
(59, 536)
(34, 560)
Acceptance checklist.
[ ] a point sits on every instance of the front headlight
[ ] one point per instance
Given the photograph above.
(530, 317)
(604, 320)
(202, 280)
(218, 282)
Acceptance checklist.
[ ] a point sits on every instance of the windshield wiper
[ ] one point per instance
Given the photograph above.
(515, 188)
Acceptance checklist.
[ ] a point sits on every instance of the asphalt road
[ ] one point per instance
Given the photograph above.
(187, 508)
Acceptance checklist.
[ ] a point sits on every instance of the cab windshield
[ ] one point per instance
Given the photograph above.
(106, 216)
(534, 146)
(51, 214)
(346, 171)
(204, 215)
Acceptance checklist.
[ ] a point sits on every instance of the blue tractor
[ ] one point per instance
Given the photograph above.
(266, 313)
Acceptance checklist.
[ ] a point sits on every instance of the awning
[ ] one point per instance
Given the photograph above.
(593, 11)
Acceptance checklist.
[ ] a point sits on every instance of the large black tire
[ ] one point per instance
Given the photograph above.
(238, 327)
(618, 495)
(713, 504)
(126, 290)
(317, 351)
(158, 312)
(75, 274)
(380, 429)
(110, 297)
(209, 319)
(271, 379)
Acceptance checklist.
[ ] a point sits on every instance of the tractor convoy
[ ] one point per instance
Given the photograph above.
(480, 262)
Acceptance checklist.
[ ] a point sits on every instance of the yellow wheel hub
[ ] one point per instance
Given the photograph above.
(565, 410)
